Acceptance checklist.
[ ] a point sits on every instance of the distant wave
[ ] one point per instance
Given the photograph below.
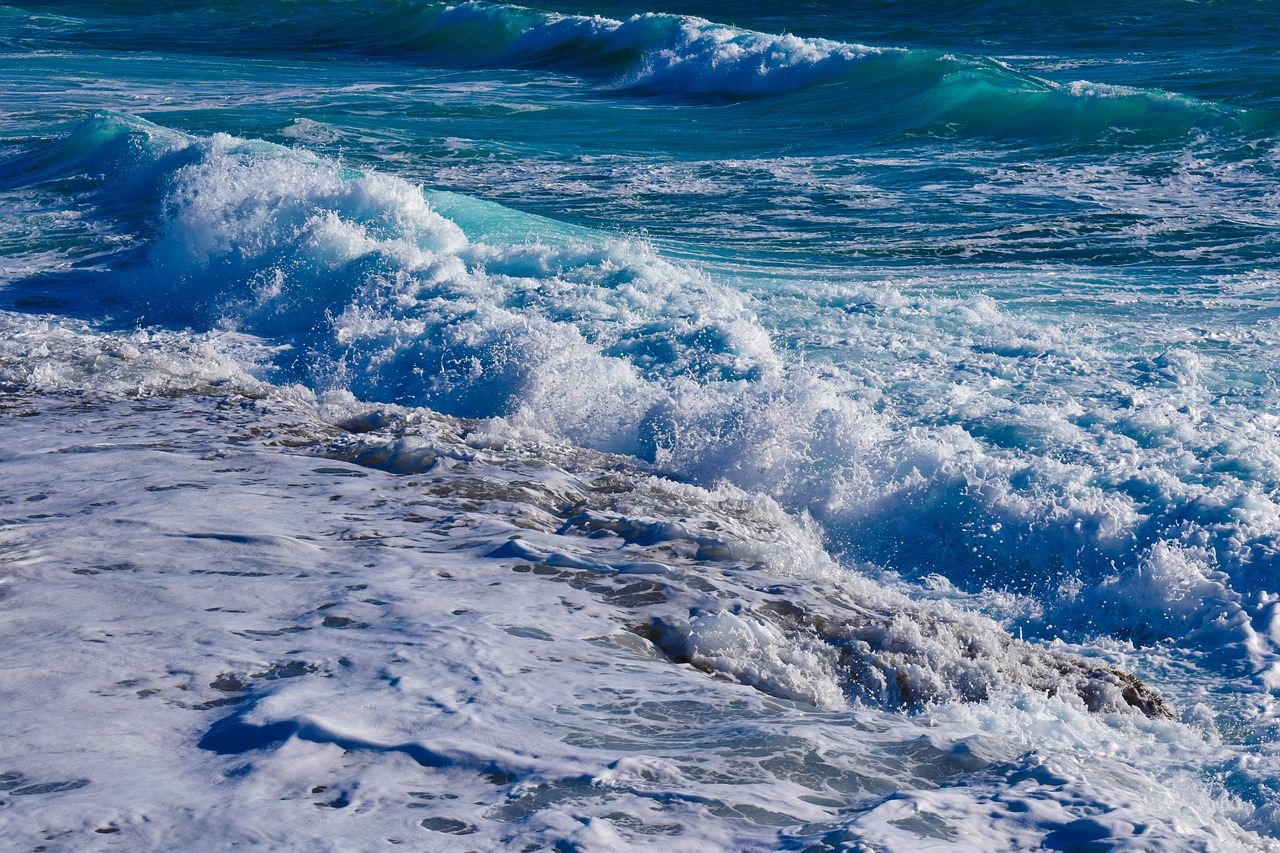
(890, 89)
(365, 283)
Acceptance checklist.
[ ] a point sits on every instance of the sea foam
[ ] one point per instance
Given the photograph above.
(365, 283)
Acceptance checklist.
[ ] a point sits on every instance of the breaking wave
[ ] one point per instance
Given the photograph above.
(884, 89)
(364, 283)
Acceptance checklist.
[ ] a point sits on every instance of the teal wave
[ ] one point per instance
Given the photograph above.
(892, 91)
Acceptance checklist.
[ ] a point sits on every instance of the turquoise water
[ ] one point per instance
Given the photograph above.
(984, 295)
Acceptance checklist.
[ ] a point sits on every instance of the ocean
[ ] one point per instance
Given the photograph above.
(793, 426)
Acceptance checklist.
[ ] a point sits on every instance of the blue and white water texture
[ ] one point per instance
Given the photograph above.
(738, 426)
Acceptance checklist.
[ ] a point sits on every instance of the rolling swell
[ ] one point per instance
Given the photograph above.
(886, 90)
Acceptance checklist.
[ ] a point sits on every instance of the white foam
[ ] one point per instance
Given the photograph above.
(678, 54)
(353, 665)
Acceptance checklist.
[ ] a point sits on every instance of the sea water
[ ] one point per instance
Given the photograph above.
(605, 427)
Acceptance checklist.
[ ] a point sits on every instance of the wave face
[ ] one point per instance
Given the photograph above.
(864, 416)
